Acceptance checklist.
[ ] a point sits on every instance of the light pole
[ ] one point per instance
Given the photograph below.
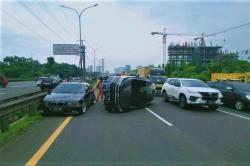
(94, 50)
(81, 47)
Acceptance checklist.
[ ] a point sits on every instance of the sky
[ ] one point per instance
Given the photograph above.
(120, 29)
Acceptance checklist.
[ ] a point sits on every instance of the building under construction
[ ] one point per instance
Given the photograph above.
(192, 53)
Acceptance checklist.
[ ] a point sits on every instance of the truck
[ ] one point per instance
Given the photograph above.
(156, 75)
(240, 77)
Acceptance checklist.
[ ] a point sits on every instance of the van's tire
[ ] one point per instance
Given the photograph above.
(183, 101)
(239, 105)
(165, 96)
(213, 107)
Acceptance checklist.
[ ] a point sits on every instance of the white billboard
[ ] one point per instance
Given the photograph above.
(65, 49)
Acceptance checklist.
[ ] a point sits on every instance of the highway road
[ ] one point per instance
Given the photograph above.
(18, 88)
(160, 134)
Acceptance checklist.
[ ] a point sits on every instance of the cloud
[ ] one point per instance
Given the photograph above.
(122, 29)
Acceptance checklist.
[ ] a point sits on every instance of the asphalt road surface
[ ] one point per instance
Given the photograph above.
(18, 88)
(161, 134)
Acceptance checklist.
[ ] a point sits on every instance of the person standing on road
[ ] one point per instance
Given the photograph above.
(99, 88)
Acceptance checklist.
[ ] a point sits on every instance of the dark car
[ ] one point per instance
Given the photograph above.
(46, 83)
(236, 94)
(3, 81)
(72, 97)
(126, 93)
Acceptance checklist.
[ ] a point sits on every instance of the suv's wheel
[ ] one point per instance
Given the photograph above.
(183, 101)
(239, 106)
(213, 107)
(165, 96)
(83, 109)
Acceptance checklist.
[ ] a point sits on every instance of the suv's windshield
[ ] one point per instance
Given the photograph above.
(69, 88)
(193, 83)
(242, 87)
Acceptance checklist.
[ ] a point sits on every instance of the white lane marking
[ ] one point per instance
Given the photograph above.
(163, 120)
(234, 114)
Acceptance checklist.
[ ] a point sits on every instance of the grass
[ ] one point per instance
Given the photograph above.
(18, 128)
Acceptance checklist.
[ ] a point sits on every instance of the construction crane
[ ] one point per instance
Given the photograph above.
(203, 36)
(164, 35)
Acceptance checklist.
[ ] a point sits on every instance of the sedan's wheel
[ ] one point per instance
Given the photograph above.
(83, 109)
(183, 101)
(239, 105)
(165, 96)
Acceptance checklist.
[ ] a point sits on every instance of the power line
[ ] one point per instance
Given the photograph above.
(25, 26)
(65, 15)
(40, 20)
(49, 12)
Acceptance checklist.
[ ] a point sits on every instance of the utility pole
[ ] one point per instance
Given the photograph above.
(81, 46)
(94, 50)
(102, 65)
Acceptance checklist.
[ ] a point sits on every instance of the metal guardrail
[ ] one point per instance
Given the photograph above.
(29, 104)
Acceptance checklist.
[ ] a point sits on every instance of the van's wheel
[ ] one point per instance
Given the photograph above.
(83, 109)
(239, 106)
(165, 96)
(183, 101)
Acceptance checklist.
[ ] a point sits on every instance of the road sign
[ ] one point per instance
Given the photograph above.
(66, 49)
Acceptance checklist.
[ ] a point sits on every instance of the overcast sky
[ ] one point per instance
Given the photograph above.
(121, 28)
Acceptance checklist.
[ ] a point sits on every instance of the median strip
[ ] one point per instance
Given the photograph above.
(243, 117)
(163, 120)
(44, 148)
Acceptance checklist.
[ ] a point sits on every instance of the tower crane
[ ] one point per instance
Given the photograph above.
(203, 35)
(164, 35)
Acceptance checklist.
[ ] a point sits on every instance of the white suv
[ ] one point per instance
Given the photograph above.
(191, 92)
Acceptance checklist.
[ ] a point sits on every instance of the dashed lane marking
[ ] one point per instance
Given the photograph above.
(44, 148)
(163, 120)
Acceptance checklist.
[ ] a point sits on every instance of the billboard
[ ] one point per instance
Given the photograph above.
(65, 49)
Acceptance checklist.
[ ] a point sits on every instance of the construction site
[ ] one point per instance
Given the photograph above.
(196, 52)
(192, 53)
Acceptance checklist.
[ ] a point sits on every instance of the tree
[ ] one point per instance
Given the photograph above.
(51, 61)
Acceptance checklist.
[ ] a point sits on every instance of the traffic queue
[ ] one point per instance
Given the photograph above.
(123, 93)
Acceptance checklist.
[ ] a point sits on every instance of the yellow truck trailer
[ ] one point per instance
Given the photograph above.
(242, 77)
(156, 75)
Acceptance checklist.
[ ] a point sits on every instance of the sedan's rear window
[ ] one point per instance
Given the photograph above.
(69, 88)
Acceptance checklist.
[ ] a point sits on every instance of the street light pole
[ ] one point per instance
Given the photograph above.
(81, 47)
(94, 50)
